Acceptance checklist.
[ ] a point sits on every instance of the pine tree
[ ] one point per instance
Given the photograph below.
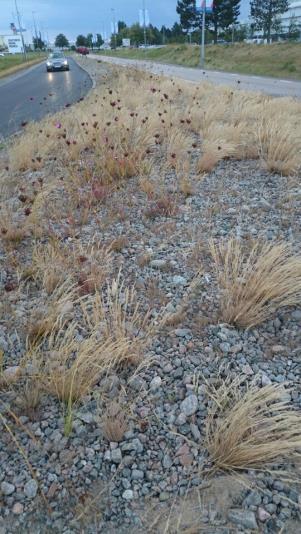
(265, 12)
(225, 13)
(189, 17)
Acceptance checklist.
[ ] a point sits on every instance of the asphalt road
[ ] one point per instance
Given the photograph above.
(32, 94)
(271, 86)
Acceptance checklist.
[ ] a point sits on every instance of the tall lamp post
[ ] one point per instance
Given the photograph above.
(202, 62)
(35, 26)
(114, 28)
(20, 30)
(144, 24)
(204, 9)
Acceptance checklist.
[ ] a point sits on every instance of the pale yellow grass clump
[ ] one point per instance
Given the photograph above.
(12, 229)
(87, 265)
(279, 146)
(71, 368)
(117, 332)
(214, 151)
(257, 282)
(117, 313)
(114, 422)
(253, 428)
(51, 317)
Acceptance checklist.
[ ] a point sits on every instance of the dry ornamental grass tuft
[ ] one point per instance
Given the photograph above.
(251, 429)
(114, 422)
(255, 283)
(117, 333)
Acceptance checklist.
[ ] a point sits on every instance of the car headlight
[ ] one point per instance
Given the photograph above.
(48, 64)
(65, 62)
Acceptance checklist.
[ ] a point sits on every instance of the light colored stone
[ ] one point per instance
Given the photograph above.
(155, 383)
(247, 370)
(18, 508)
(195, 431)
(31, 488)
(12, 374)
(276, 349)
(182, 332)
(116, 456)
(243, 518)
(158, 264)
(179, 280)
(265, 380)
(189, 405)
(181, 419)
(7, 488)
(128, 495)
(262, 514)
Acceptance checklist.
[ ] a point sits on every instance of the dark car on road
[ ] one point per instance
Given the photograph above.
(57, 61)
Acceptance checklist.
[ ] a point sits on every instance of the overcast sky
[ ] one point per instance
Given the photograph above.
(83, 16)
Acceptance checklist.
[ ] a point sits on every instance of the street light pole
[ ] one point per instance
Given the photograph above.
(35, 26)
(114, 24)
(144, 24)
(202, 62)
(20, 29)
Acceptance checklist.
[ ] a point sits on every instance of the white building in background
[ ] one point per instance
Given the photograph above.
(293, 11)
(2, 42)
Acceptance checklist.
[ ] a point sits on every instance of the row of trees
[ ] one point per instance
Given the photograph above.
(220, 23)
(154, 35)
(264, 14)
(225, 14)
(88, 41)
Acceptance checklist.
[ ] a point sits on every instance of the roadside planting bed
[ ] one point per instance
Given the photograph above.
(150, 312)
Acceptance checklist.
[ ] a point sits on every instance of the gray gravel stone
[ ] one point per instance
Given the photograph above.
(158, 264)
(116, 456)
(31, 488)
(195, 431)
(128, 495)
(243, 518)
(182, 332)
(167, 461)
(189, 405)
(179, 280)
(155, 383)
(137, 474)
(7, 488)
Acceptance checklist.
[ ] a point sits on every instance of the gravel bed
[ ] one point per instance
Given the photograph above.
(92, 485)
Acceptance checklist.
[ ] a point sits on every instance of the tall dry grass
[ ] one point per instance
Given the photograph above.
(251, 428)
(134, 115)
(87, 265)
(254, 283)
(111, 330)
(279, 146)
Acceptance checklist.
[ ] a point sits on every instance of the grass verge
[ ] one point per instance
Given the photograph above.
(11, 64)
(276, 60)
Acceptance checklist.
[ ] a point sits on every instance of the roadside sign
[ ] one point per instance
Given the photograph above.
(206, 5)
(14, 44)
(126, 42)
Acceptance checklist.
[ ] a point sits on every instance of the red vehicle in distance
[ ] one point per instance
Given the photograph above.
(83, 50)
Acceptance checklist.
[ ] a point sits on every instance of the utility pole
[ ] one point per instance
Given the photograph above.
(20, 29)
(202, 62)
(114, 24)
(144, 23)
(35, 26)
